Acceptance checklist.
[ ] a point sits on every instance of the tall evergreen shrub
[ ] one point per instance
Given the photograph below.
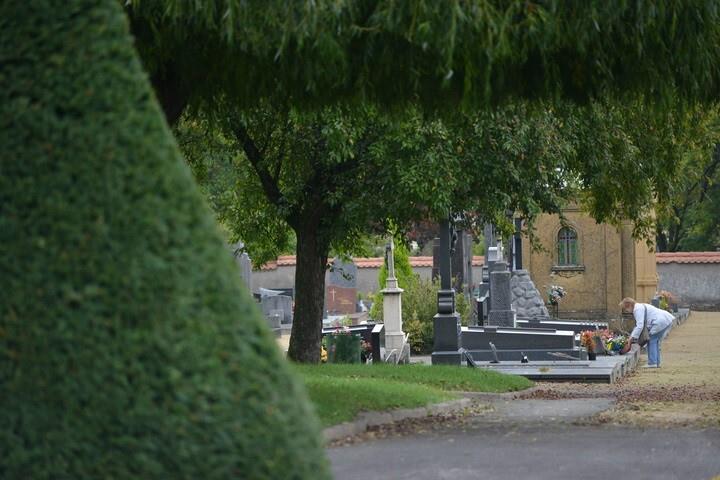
(127, 348)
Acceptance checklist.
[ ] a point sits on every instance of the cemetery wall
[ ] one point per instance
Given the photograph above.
(281, 274)
(593, 292)
(692, 276)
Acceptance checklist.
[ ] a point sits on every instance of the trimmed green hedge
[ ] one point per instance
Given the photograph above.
(127, 348)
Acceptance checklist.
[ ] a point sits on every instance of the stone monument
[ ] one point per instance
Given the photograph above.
(395, 343)
(526, 300)
(501, 312)
(446, 323)
(341, 289)
(242, 259)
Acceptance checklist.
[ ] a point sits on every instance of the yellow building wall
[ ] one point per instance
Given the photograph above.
(611, 266)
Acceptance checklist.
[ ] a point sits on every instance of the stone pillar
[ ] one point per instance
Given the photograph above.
(446, 324)
(392, 307)
(501, 312)
(517, 246)
(246, 270)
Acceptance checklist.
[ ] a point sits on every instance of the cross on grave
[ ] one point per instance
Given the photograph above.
(341, 288)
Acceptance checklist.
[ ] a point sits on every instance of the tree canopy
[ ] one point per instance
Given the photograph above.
(689, 219)
(128, 348)
(469, 52)
(497, 105)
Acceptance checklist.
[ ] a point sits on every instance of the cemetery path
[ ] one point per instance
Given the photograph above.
(562, 430)
(533, 452)
(685, 391)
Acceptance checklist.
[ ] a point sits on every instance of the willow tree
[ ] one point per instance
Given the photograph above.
(487, 59)
(128, 348)
(473, 53)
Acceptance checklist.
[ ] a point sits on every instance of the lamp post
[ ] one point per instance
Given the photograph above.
(446, 323)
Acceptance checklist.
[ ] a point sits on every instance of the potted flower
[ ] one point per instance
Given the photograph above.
(587, 340)
(668, 301)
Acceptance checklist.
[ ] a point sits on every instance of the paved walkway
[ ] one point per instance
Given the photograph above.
(660, 424)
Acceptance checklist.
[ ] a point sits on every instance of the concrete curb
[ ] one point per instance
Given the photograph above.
(366, 420)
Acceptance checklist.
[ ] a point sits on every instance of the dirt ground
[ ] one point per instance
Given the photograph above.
(685, 391)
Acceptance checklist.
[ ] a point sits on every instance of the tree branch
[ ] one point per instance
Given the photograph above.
(269, 184)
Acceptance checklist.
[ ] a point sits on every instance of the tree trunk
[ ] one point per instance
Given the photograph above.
(309, 296)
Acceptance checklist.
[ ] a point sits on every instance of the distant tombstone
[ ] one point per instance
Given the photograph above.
(501, 313)
(242, 259)
(341, 288)
(277, 305)
(274, 319)
(462, 260)
(436, 259)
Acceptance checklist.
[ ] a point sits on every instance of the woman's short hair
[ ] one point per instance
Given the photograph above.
(627, 302)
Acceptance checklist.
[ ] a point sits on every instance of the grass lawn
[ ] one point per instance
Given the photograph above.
(340, 392)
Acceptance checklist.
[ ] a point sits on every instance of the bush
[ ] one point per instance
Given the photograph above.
(128, 349)
(420, 306)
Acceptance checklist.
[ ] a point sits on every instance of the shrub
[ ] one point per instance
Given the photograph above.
(128, 349)
(420, 306)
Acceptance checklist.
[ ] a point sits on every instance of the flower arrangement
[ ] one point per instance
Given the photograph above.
(587, 340)
(555, 294)
(666, 299)
(614, 342)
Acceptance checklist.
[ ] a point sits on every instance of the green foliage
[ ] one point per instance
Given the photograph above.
(343, 348)
(128, 348)
(420, 306)
(690, 219)
(340, 392)
(474, 53)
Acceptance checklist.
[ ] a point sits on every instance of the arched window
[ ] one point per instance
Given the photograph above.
(567, 247)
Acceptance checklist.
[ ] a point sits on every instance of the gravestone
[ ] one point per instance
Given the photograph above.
(515, 343)
(516, 251)
(461, 260)
(501, 312)
(242, 259)
(277, 305)
(341, 288)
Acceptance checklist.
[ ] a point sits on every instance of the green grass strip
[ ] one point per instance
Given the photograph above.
(339, 392)
(339, 400)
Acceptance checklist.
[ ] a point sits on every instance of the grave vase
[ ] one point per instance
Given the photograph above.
(592, 356)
